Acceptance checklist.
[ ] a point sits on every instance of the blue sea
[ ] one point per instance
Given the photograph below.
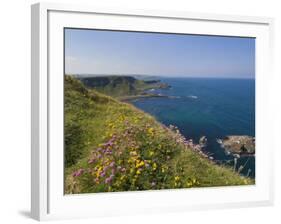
(207, 107)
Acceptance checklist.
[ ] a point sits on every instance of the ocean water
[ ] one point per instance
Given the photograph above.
(207, 107)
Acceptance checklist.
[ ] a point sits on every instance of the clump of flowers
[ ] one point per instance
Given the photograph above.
(133, 159)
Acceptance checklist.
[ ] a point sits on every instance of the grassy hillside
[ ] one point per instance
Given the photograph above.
(112, 146)
(120, 86)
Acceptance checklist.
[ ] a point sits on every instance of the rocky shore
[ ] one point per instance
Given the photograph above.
(238, 145)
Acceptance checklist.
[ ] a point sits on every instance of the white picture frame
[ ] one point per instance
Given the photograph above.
(47, 198)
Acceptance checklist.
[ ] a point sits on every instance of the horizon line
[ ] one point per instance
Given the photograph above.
(165, 76)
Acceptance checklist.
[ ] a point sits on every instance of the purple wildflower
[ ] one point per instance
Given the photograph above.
(78, 173)
(109, 143)
(108, 151)
(113, 171)
(91, 160)
(105, 168)
(112, 164)
(108, 180)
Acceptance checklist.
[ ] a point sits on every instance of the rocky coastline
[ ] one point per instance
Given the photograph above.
(238, 145)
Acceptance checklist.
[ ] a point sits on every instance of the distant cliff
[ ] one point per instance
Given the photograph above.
(121, 86)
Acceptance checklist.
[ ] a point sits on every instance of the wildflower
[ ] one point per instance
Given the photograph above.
(150, 131)
(153, 184)
(105, 168)
(109, 143)
(189, 184)
(102, 174)
(133, 153)
(154, 166)
(107, 180)
(151, 153)
(78, 173)
(177, 178)
(91, 161)
(139, 164)
(112, 164)
(108, 152)
(138, 172)
(113, 171)
(123, 170)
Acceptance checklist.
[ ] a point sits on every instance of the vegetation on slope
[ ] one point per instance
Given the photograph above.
(112, 146)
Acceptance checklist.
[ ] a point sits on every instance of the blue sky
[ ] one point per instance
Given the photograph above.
(113, 52)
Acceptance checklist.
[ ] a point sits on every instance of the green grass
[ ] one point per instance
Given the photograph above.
(112, 146)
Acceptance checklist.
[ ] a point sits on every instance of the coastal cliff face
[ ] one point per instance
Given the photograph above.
(121, 86)
(112, 146)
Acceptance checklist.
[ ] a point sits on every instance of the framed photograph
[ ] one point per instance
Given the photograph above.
(148, 111)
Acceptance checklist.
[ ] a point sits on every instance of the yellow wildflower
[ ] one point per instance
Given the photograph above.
(154, 166)
(150, 130)
(100, 169)
(189, 184)
(139, 164)
(151, 153)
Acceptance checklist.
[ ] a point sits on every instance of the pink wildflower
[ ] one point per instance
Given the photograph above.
(78, 173)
